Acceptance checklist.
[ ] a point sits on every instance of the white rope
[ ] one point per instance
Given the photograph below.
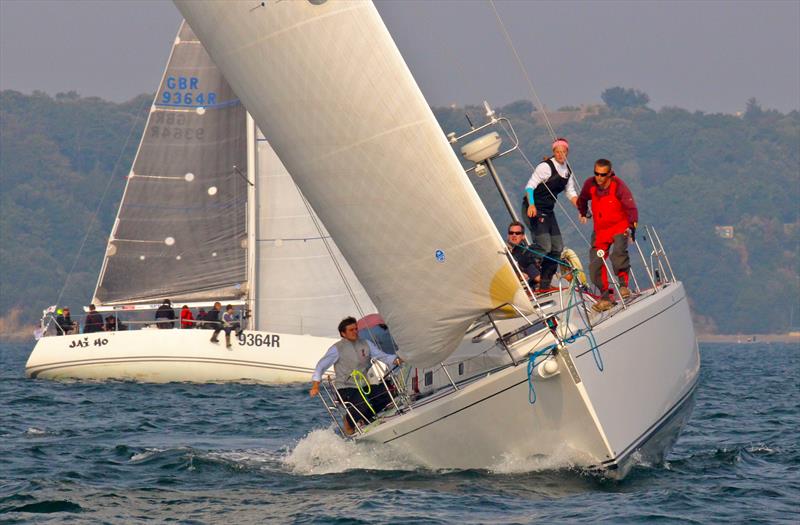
(102, 199)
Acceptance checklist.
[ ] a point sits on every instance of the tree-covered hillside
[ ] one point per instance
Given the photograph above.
(690, 173)
(57, 158)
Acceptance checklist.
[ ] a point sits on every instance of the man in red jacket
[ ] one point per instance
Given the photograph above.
(615, 217)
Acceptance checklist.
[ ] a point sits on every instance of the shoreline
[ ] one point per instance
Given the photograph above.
(793, 337)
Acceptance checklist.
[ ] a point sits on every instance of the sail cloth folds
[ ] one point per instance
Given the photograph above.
(180, 231)
(327, 85)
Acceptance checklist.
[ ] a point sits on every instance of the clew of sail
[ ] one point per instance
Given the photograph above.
(181, 228)
(327, 85)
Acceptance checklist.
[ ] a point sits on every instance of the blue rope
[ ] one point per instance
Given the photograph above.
(531, 365)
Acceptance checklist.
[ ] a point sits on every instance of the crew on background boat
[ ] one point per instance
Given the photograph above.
(549, 178)
(93, 322)
(113, 324)
(229, 322)
(523, 254)
(615, 217)
(187, 319)
(350, 358)
(214, 321)
(201, 318)
(165, 311)
(64, 323)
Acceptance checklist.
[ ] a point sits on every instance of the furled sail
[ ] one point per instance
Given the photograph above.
(326, 83)
(180, 232)
(304, 285)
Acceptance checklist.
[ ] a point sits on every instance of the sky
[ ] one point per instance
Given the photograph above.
(700, 55)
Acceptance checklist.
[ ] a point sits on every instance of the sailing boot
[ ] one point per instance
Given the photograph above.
(228, 341)
(214, 338)
(603, 304)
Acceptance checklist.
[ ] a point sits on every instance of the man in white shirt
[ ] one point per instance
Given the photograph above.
(351, 358)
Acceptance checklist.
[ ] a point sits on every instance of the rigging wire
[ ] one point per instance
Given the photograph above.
(541, 108)
(102, 199)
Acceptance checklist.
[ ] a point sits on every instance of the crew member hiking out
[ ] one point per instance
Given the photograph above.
(549, 178)
(615, 218)
(351, 360)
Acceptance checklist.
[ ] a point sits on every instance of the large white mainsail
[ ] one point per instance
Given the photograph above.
(180, 232)
(303, 284)
(326, 83)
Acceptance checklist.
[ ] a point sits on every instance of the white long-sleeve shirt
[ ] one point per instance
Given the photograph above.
(542, 172)
(332, 355)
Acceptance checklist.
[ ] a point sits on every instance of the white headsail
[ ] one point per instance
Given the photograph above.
(303, 283)
(326, 83)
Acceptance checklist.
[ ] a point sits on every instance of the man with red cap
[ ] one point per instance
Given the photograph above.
(551, 177)
(615, 217)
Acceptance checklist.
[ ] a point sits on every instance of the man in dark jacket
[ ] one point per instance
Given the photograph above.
(522, 253)
(93, 322)
(64, 323)
(165, 311)
(214, 321)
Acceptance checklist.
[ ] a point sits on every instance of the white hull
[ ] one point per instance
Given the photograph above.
(638, 402)
(161, 356)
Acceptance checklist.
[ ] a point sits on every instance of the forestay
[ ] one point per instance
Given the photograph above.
(304, 285)
(180, 232)
(326, 83)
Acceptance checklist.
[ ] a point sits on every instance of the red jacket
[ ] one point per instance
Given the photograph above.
(613, 208)
(186, 318)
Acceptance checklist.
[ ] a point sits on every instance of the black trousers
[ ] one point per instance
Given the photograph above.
(378, 398)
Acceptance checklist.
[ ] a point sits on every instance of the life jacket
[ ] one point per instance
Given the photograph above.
(546, 200)
(352, 356)
(607, 208)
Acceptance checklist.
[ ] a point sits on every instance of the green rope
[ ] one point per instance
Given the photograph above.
(355, 374)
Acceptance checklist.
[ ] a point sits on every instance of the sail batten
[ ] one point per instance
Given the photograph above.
(326, 83)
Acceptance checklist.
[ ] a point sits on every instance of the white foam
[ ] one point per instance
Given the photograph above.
(148, 453)
(322, 451)
(563, 457)
(33, 431)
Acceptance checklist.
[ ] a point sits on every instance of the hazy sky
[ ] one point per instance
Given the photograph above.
(710, 56)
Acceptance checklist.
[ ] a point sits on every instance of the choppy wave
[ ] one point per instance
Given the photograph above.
(117, 452)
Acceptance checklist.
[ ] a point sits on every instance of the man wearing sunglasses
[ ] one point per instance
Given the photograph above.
(615, 217)
(525, 257)
(550, 178)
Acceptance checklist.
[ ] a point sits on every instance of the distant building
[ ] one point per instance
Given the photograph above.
(725, 232)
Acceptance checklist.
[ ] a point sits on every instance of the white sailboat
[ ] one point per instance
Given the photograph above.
(325, 80)
(209, 214)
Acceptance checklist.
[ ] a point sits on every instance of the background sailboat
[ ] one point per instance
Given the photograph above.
(210, 213)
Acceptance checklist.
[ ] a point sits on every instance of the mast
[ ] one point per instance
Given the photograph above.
(252, 210)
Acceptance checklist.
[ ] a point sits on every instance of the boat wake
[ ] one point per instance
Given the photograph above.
(322, 451)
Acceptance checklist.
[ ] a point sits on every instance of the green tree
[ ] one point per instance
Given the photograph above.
(619, 98)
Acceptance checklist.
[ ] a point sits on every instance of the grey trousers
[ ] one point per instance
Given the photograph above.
(620, 262)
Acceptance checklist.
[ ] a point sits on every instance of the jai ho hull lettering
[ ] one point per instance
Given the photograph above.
(160, 356)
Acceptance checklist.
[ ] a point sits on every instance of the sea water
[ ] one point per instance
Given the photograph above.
(123, 452)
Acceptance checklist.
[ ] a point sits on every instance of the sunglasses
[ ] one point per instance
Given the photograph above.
(604, 174)
(515, 233)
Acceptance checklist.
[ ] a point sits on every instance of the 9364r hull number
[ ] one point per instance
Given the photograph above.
(271, 340)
